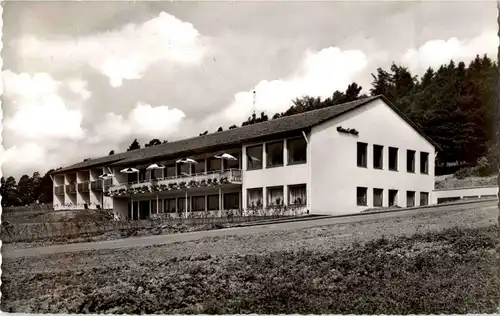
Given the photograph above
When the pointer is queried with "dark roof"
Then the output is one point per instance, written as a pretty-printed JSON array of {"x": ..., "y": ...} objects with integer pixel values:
[{"x": 235, "y": 136}]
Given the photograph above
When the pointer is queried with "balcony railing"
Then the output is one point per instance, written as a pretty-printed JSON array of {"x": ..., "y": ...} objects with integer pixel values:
[
  {"x": 182, "y": 182},
  {"x": 59, "y": 190},
  {"x": 71, "y": 188},
  {"x": 83, "y": 187}
]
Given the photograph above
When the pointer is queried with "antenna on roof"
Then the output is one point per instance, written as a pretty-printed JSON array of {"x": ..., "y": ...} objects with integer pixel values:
[{"x": 253, "y": 105}]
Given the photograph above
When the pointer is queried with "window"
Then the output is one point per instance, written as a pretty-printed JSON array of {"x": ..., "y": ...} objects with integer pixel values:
[
  {"x": 169, "y": 171},
  {"x": 378, "y": 158},
  {"x": 410, "y": 160},
  {"x": 214, "y": 164},
  {"x": 424, "y": 198},
  {"x": 142, "y": 175},
  {"x": 213, "y": 202},
  {"x": 198, "y": 203},
  {"x": 233, "y": 164},
  {"x": 153, "y": 207},
  {"x": 232, "y": 201},
  {"x": 361, "y": 196},
  {"x": 362, "y": 155},
  {"x": 181, "y": 204},
  {"x": 297, "y": 150},
  {"x": 254, "y": 157},
  {"x": 275, "y": 196},
  {"x": 200, "y": 166},
  {"x": 156, "y": 173},
  {"x": 169, "y": 205},
  {"x": 274, "y": 154},
  {"x": 297, "y": 194},
  {"x": 132, "y": 177},
  {"x": 184, "y": 169},
  {"x": 424, "y": 162},
  {"x": 393, "y": 159},
  {"x": 410, "y": 198},
  {"x": 393, "y": 197},
  {"x": 378, "y": 197},
  {"x": 254, "y": 198}
]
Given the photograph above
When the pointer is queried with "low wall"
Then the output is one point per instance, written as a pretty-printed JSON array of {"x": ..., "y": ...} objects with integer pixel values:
[
  {"x": 40, "y": 231},
  {"x": 447, "y": 195}
]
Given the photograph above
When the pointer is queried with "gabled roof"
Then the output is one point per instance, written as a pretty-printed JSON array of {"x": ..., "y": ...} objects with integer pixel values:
[{"x": 236, "y": 136}]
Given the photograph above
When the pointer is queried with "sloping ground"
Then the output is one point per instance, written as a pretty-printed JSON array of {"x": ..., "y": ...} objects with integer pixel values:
[
  {"x": 450, "y": 182},
  {"x": 448, "y": 266}
]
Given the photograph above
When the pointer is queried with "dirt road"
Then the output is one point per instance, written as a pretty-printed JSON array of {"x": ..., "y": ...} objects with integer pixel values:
[{"x": 169, "y": 239}]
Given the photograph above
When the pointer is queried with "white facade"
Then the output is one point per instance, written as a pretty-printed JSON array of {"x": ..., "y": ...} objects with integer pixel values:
[
  {"x": 327, "y": 181},
  {"x": 335, "y": 175}
]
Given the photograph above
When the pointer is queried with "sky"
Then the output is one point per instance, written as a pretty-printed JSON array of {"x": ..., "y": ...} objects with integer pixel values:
[{"x": 83, "y": 78}]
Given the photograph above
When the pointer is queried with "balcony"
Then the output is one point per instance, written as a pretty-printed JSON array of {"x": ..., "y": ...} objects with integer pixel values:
[
  {"x": 206, "y": 179},
  {"x": 96, "y": 185},
  {"x": 83, "y": 187},
  {"x": 71, "y": 188},
  {"x": 59, "y": 190}
]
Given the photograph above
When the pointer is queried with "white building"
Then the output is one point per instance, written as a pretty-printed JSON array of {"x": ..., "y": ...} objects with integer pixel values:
[{"x": 337, "y": 160}]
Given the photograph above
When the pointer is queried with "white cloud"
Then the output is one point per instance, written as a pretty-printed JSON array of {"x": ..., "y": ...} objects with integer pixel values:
[
  {"x": 320, "y": 74},
  {"x": 124, "y": 54},
  {"x": 437, "y": 52},
  {"x": 16, "y": 160},
  {"x": 40, "y": 121},
  {"x": 40, "y": 111},
  {"x": 144, "y": 120}
]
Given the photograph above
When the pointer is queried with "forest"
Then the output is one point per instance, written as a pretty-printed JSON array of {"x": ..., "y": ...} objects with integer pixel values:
[{"x": 454, "y": 105}]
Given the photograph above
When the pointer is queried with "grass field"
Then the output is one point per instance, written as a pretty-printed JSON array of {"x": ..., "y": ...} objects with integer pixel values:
[{"x": 428, "y": 263}]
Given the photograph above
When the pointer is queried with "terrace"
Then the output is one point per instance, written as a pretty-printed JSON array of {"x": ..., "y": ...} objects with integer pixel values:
[{"x": 179, "y": 182}]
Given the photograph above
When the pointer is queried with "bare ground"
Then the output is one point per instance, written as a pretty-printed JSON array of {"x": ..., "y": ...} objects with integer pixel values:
[{"x": 229, "y": 274}]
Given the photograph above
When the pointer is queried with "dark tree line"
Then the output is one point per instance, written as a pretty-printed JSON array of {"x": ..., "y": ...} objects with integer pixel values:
[{"x": 27, "y": 190}]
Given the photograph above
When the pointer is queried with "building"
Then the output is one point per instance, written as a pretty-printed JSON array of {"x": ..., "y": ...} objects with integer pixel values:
[{"x": 336, "y": 160}]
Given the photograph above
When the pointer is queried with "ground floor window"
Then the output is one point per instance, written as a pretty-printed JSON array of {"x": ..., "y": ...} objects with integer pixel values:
[
  {"x": 213, "y": 202},
  {"x": 297, "y": 194},
  {"x": 274, "y": 196},
  {"x": 232, "y": 201},
  {"x": 361, "y": 196},
  {"x": 169, "y": 205},
  {"x": 181, "y": 204},
  {"x": 393, "y": 197},
  {"x": 424, "y": 198},
  {"x": 410, "y": 198},
  {"x": 254, "y": 197},
  {"x": 378, "y": 197},
  {"x": 155, "y": 210},
  {"x": 198, "y": 203}
]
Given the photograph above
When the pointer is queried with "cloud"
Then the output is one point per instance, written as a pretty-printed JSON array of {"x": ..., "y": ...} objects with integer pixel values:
[
  {"x": 437, "y": 52},
  {"x": 28, "y": 156},
  {"x": 320, "y": 74},
  {"x": 39, "y": 110},
  {"x": 41, "y": 120},
  {"x": 126, "y": 53},
  {"x": 144, "y": 120}
]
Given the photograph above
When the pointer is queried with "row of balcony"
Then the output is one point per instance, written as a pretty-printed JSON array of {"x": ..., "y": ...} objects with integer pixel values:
[
  {"x": 83, "y": 187},
  {"x": 183, "y": 182}
]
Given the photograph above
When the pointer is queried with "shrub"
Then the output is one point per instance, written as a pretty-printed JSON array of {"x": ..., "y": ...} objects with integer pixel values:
[{"x": 464, "y": 173}]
